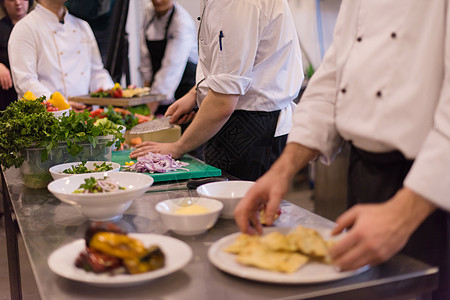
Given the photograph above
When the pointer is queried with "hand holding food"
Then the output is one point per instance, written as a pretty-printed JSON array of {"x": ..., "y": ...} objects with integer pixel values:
[{"x": 262, "y": 216}]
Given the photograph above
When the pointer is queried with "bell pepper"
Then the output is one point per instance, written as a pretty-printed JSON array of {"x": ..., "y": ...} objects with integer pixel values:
[
  {"x": 92, "y": 260},
  {"x": 59, "y": 101},
  {"x": 29, "y": 96},
  {"x": 118, "y": 245},
  {"x": 152, "y": 260}
]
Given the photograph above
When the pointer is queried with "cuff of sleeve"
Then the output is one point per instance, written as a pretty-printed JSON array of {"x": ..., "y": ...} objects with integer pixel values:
[
  {"x": 429, "y": 175},
  {"x": 306, "y": 132},
  {"x": 228, "y": 84}
]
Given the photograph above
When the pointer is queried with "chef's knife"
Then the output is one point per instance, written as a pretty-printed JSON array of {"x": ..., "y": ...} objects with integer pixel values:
[
  {"x": 152, "y": 126},
  {"x": 193, "y": 183}
]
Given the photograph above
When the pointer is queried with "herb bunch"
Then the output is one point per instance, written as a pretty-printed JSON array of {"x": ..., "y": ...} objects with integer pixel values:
[{"x": 27, "y": 123}]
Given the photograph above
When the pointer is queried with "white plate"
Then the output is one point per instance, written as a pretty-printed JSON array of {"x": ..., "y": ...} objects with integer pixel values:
[
  {"x": 312, "y": 272},
  {"x": 177, "y": 255}
]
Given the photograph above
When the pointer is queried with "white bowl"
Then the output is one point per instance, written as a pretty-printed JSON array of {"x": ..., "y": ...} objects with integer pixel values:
[
  {"x": 227, "y": 192},
  {"x": 60, "y": 113},
  {"x": 189, "y": 224},
  {"x": 57, "y": 170},
  {"x": 101, "y": 206}
]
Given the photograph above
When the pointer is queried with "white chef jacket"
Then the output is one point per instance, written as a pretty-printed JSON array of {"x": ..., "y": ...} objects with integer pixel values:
[
  {"x": 181, "y": 47},
  {"x": 250, "y": 48},
  {"x": 47, "y": 56},
  {"x": 383, "y": 86}
]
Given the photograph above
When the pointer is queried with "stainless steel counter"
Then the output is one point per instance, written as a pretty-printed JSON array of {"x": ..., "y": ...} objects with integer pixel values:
[{"x": 45, "y": 224}]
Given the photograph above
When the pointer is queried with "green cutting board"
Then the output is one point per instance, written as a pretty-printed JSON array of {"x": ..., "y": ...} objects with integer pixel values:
[{"x": 197, "y": 169}]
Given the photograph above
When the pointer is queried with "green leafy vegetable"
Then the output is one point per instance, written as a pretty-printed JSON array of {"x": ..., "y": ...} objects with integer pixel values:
[
  {"x": 81, "y": 168},
  {"x": 27, "y": 123},
  {"x": 92, "y": 185},
  {"x": 129, "y": 121}
]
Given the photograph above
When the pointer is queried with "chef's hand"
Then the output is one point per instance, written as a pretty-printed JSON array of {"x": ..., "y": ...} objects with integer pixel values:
[
  {"x": 5, "y": 77},
  {"x": 378, "y": 231},
  {"x": 76, "y": 106},
  {"x": 271, "y": 188},
  {"x": 162, "y": 148},
  {"x": 268, "y": 189},
  {"x": 181, "y": 111}
]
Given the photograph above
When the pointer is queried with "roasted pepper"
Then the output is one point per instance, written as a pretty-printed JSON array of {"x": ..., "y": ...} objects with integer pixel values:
[
  {"x": 152, "y": 260},
  {"x": 118, "y": 245}
]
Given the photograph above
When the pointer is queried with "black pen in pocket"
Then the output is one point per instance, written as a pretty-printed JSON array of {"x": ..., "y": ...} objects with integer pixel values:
[{"x": 220, "y": 39}]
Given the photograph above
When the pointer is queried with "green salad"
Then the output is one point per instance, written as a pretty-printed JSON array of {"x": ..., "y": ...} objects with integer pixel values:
[
  {"x": 81, "y": 168},
  {"x": 92, "y": 185}
]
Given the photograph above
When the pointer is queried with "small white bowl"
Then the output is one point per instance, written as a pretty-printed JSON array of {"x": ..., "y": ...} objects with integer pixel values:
[
  {"x": 60, "y": 113},
  {"x": 189, "y": 224},
  {"x": 227, "y": 192},
  {"x": 57, "y": 170},
  {"x": 101, "y": 206}
]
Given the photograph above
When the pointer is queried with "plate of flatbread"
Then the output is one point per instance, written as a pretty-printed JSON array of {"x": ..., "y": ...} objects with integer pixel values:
[{"x": 281, "y": 255}]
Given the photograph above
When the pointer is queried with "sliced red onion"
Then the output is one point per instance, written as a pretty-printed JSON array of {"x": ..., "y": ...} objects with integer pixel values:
[{"x": 157, "y": 163}]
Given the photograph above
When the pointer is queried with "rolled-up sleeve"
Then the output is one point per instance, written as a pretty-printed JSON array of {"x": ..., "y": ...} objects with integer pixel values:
[{"x": 229, "y": 84}]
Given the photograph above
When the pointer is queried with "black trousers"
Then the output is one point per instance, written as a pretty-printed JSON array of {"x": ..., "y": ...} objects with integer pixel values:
[
  {"x": 245, "y": 147},
  {"x": 376, "y": 177}
]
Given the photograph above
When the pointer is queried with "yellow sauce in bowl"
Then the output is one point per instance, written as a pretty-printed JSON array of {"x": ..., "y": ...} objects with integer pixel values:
[{"x": 193, "y": 209}]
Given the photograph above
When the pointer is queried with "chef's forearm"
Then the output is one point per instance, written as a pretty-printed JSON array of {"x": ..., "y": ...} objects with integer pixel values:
[
  {"x": 213, "y": 113},
  {"x": 294, "y": 157}
]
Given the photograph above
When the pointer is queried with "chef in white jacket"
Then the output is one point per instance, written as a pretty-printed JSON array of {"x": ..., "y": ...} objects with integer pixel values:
[
  {"x": 249, "y": 73},
  {"x": 384, "y": 88},
  {"x": 168, "y": 51},
  {"x": 51, "y": 50}
]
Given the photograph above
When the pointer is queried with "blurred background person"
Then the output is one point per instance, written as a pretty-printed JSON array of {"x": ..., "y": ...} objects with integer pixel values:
[
  {"x": 14, "y": 11},
  {"x": 168, "y": 51},
  {"x": 51, "y": 50}
]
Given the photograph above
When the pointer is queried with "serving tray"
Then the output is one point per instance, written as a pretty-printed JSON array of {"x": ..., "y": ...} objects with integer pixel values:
[{"x": 123, "y": 102}]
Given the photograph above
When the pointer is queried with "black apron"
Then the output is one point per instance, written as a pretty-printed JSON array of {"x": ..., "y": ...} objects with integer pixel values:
[
  {"x": 245, "y": 146},
  {"x": 376, "y": 177},
  {"x": 6, "y": 96},
  {"x": 157, "y": 50}
]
